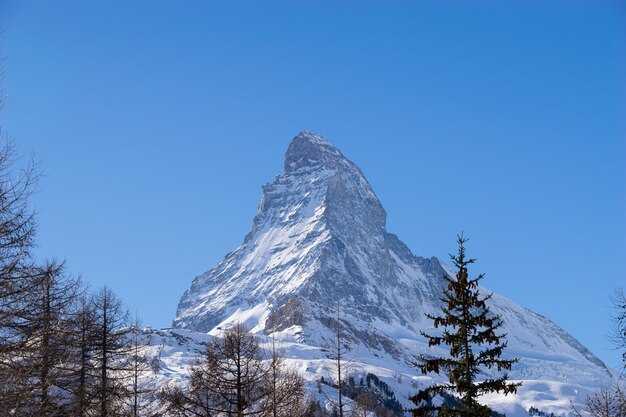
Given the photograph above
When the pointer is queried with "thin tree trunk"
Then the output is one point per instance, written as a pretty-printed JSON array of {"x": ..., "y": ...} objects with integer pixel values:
[
  {"x": 239, "y": 381},
  {"x": 82, "y": 372},
  {"x": 45, "y": 351},
  {"x": 135, "y": 377},
  {"x": 104, "y": 379},
  {"x": 274, "y": 377}
]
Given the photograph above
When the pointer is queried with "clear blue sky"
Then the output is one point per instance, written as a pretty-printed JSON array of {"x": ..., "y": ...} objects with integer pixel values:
[{"x": 156, "y": 123}]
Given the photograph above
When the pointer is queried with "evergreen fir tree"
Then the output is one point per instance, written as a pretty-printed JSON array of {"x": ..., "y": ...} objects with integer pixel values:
[{"x": 471, "y": 331}]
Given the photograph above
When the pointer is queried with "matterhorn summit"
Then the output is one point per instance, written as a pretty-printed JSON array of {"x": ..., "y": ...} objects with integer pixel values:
[
  {"x": 319, "y": 256},
  {"x": 318, "y": 243}
]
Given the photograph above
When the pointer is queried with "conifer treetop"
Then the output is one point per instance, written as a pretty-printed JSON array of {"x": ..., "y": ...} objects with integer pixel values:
[{"x": 472, "y": 333}]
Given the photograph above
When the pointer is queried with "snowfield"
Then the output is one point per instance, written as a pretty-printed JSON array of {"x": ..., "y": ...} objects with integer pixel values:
[{"x": 177, "y": 350}]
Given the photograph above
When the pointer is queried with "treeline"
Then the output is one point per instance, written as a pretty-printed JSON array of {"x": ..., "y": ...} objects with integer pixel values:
[
  {"x": 370, "y": 396},
  {"x": 63, "y": 351}
]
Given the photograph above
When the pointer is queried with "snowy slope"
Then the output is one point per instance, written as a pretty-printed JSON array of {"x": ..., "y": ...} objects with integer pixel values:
[
  {"x": 319, "y": 241},
  {"x": 178, "y": 349}
]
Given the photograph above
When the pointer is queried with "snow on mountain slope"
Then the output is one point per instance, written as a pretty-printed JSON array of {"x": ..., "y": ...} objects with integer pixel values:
[
  {"x": 178, "y": 349},
  {"x": 319, "y": 241}
]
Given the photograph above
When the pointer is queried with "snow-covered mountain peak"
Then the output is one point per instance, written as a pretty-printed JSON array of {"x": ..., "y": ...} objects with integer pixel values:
[
  {"x": 309, "y": 150},
  {"x": 319, "y": 185},
  {"x": 319, "y": 257},
  {"x": 322, "y": 207}
]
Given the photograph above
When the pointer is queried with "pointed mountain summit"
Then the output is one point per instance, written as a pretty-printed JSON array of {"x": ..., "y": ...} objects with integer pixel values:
[
  {"x": 319, "y": 244},
  {"x": 308, "y": 150},
  {"x": 318, "y": 237}
]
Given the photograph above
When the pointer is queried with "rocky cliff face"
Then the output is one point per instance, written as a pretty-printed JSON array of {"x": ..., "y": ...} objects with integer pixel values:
[{"x": 319, "y": 255}]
